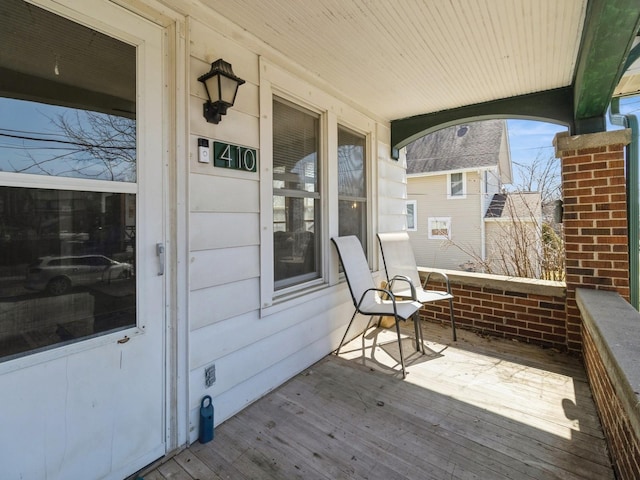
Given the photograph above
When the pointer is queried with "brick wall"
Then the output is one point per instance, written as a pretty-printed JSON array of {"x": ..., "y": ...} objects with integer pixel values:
[
  {"x": 624, "y": 445},
  {"x": 527, "y": 310},
  {"x": 596, "y": 243},
  {"x": 595, "y": 218}
]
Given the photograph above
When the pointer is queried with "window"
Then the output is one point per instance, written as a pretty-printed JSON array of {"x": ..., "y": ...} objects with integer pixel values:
[
  {"x": 296, "y": 194},
  {"x": 52, "y": 127},
  {"x": 456, "y": 185},
  {"x": 439, "y": 228},
  {"x": 352, "y": 190},
  {"x": 412, "y": 216},
  {"x": 316, "y": 174}
]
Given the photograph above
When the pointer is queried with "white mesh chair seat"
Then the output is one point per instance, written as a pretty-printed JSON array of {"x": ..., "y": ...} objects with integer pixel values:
[
  {"x": 403, "y": 277},
  {"x": 367, "y": 299}
]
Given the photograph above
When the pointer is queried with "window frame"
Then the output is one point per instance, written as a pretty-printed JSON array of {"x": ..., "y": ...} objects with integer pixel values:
[
  {"x": 413, "y": 214},
  {"x": 305, "y": 278},
  {"x": 431, "y": 221},
  {"x": 450, "y": 195},
  {"x": 275, "y": 81},
  {"x": 367, "y": 194}
]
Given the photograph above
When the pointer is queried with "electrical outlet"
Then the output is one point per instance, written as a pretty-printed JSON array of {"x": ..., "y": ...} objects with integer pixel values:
[{"x": 210, "y": 375}]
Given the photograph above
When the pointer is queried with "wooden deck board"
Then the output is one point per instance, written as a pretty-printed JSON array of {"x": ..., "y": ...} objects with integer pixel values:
[{"x": 478, "y": 408}]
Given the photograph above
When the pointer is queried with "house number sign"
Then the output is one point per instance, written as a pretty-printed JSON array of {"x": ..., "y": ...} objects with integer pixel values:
[{"x": 235, "y": 157}]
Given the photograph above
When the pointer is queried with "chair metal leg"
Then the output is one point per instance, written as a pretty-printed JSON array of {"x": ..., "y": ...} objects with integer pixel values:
[
  {"x": 418, "y": 322},
  {"x": 347, "y": 331},
  {"x": 417, "y": 333},
  {"x": 453, "y": 319},
  {"x": 404, "y": 372}
]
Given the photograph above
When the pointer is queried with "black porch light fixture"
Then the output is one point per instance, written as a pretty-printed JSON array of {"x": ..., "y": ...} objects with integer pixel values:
[{"x": 221, "y": 85}]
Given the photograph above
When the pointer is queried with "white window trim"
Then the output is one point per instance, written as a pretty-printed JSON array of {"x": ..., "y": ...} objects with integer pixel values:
[
  {"x": 274, "y": 81},
  {"x": 432, "y": 220},
  {"x": 415, "y": 215},
  {"x": 464, "y": 186}
]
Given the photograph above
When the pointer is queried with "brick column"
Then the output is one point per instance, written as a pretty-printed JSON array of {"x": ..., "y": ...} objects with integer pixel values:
[{"x": 595, "y": 217}]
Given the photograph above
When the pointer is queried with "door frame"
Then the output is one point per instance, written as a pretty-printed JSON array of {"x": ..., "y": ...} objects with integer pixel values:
[{"x": 176, "y": 186}]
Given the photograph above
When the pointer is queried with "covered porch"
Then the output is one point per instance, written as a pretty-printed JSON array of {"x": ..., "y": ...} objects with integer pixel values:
[
  {"x": 531, "y": 390},
  {"x": 478, "y": 408}
]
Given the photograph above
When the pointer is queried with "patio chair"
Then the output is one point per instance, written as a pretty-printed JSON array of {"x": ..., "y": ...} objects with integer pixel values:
[
  {"x": 400, "y": 263},
  {"x": 367, "y": 299}
]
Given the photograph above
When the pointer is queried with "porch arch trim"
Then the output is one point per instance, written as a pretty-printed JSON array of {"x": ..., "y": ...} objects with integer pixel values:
[{"x": 555, "y": 106}]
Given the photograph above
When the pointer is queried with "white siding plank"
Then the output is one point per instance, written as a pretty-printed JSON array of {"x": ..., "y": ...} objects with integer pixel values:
[
  {"x": 223, "y": 194},
  {"x": 217, "y": 267},
  {"x": 392, "y": 223},
  {"x": 215, "y": 304},
  {"x": 233, "y": 401},
  {"x": 388, "y": 189},
  {"x": 325, "y": 329},
  {"x": 392, "y": 171},
  {"x": 207, "y": 45},
  {"x": 393, "y": 206},
  {"x": 235, "y": 127},
  {"x": 221, "y": 339},
  {"x": 222, "y": 230}
]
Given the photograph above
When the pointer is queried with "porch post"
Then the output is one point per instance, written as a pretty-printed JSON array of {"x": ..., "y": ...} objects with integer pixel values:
[{"x": 595, "y": 217}]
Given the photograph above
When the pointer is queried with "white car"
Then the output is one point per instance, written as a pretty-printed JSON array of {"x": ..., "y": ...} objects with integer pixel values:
[{"x": 58, "y": 275}]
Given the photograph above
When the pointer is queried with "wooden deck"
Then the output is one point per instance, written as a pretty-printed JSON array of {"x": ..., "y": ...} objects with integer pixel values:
[{"x": 475, "y": 409}]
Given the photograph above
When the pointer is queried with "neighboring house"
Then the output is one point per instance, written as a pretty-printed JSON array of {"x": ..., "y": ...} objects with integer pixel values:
[
  {"x": 452, "y": 175},
  {"x": 513, "y": 224}
]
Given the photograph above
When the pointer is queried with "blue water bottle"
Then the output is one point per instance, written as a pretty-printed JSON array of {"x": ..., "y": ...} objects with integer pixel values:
[{"x": 206, "y": 420}]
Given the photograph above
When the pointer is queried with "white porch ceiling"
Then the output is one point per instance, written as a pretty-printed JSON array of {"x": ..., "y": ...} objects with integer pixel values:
[{"x": 406, "y": 57}]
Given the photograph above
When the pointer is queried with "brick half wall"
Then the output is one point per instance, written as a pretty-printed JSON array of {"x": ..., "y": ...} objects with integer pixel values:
[
  {"x": 527, "y": 310},
  {"x": 611, "y": 353}
]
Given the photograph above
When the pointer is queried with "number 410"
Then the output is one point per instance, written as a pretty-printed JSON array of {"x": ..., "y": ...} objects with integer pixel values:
[{"x": 238, "y": 158}]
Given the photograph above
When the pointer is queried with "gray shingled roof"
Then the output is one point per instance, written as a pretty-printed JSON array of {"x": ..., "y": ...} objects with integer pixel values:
[{"x": 474, "y": 145}]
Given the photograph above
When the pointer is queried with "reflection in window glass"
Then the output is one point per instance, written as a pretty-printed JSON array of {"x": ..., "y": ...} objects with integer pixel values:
[
  {"x": 456, "y": 185},
  {"x": 412, "y": 215},
  {"x": 67, "y": 109},
  {"x": 68, "y": 101},
  {"x": 352, "y": 190},
  {"x": 296, "y": 194},
  {"x": 67, "y": 266},
  {"x": 66, "y": 142}
]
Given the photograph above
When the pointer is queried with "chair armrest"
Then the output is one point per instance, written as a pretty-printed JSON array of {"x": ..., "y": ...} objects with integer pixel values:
[
  {"x": 404, "y": 278},
  {"x": 441, "y": 274},
  {"x": 382, "y": 290}
]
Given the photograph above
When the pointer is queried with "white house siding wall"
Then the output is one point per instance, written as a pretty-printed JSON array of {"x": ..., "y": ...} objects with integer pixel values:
[
  {"x": 430, "y": 193},
  {"x": 392, "y": 189},
  {"x": 254, "y": 350},
  {"x": 502, "y": 248}
]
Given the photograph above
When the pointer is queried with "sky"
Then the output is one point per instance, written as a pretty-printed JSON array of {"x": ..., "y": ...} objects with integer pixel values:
[{"x": 529, "y": 139}]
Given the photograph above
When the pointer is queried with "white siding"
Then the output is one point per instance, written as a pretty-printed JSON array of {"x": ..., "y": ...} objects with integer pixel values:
[
  {"x": 430, "y": 194},
  {"x": 253, "y": 349},
  {"x": 392, "y": 193}
]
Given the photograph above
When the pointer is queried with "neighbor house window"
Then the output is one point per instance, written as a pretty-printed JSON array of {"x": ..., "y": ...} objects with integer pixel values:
[
  {"x": 296, "y": 194},
  {"x": 412, "y": 216},
  {"x": 456, "y": 185},
  {"x": 439, "y": 228},
  {"x": 352, "y": 185}
]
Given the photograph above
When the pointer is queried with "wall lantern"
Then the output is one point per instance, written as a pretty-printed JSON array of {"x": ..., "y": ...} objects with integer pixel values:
[{"x": 221, "y": 85}]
